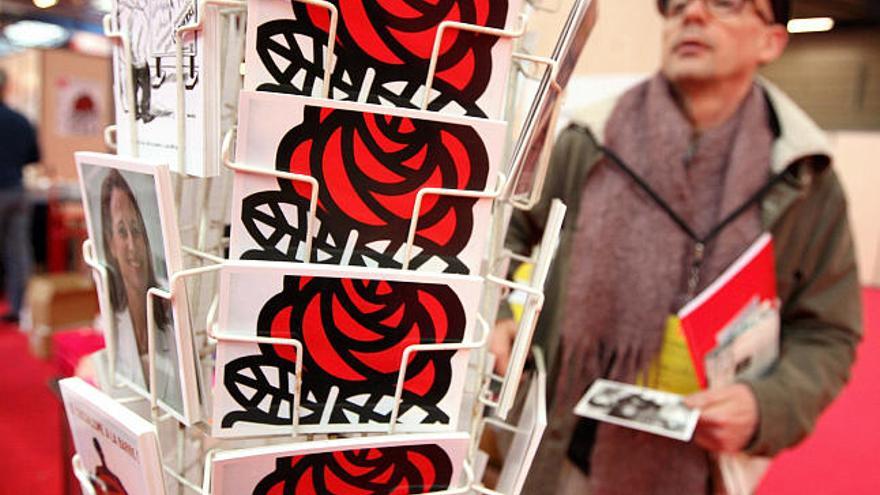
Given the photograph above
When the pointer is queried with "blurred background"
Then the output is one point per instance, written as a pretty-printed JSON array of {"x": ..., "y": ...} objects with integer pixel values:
[{"x": 60, "y": 77}]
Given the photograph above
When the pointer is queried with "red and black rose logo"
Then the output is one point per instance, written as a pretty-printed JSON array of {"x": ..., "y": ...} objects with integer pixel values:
[
  {"x": 354, "y": 333},
  {"x": 391, "y": 38},
  {"x": 371, "y": 167},
  {"x": 387, "y": 471}
]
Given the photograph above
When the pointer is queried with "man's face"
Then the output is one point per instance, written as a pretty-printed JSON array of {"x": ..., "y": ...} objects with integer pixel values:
[{"x": 699, "y": 47}]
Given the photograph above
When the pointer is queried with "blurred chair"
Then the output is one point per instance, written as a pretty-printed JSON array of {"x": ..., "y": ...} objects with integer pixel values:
[{"x": 65, "y": 233}]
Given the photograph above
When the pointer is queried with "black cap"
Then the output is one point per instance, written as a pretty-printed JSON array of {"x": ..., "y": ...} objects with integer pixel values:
[{"x": 781, "y": 10}]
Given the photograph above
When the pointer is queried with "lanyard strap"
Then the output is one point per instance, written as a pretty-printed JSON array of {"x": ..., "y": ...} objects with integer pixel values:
[{"x": 699, "y": 242}]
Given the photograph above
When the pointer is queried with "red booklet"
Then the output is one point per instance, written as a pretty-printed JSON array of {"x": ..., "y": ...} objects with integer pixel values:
[{"x": 751, "y": 278}]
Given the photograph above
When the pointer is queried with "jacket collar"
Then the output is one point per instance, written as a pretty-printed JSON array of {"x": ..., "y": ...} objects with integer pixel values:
[{"x": 798, "y": 137}]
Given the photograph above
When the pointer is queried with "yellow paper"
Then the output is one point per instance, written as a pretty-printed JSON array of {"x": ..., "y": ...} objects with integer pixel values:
[
  {"x": 523, "y": 274},
  {"x": 673, "y": 371}
]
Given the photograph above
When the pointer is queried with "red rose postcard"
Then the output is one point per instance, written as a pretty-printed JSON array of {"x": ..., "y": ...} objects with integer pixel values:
[
  {"x": 392, "y": 465},
  {"x": 118, "y": 449},
  {"x": 370, "y": 164},
  {"x": 354, "y": 327},
  {"x": 382, "y": 52}
]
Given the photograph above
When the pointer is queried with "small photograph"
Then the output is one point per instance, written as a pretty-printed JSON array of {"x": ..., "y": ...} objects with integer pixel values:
[
  {"x": 126, "y": 213},
  {"x": 639, "y": 408}
]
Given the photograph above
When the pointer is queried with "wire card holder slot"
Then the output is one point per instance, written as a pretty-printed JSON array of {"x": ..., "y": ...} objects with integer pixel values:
[
  {"x": 532, "y": 310},
  {"x": 527, "y": 436},
  {"x": 461, "y": 26},
  {"x": 297, "y": 430},
  {"x": 197, "y": 10},
  {"x": 176, "y": 284},
  {"x": 112, "y": 31}
]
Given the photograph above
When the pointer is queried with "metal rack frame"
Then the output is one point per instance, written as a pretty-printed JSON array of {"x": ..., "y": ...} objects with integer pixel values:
[
  {"x": 503, "y": 197},
  {"x": 111, "y": 30},
  {"x": 540, "y": 374}
]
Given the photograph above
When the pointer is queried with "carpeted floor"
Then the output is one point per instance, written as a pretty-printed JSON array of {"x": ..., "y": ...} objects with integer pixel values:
[
  {"x": 29, "y": 420},
  {"x": 839, "y": 458},
  {"x": 841, "y": 455}
]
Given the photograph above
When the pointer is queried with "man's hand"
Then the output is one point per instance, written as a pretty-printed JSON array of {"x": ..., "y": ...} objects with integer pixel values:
[
  {"x": 728, "y": 418},
  {"x": 500, "y": 342}
]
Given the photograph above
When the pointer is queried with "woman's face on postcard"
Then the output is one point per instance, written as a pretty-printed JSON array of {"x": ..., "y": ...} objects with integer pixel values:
[{"x": 128, "y": 242}]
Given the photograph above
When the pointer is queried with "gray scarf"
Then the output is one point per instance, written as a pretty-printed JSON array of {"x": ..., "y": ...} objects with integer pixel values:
[{"x": 631, "y": 262}]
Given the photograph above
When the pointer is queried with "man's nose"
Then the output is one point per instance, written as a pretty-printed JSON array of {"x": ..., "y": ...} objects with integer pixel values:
[{"x": 695, "y": 11}]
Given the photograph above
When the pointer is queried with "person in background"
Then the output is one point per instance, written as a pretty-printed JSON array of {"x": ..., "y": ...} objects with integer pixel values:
[
  {"x": 647, "y": 176},
  {"x": 18, "y": 147}
]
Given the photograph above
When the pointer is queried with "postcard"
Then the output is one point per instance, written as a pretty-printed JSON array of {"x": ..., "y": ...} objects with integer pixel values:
[
  {"x": 354, "y": 327},
  {"x": 394, "y": 464},
  {"x": 639, "y": 408},
  {"x": 382, "y": 53},
  {"x": 118, "y": 449},
  {"x": 371, "y": 165},
  {"x": 132, "y": 223},
  {"x": 145, "y": 82}
]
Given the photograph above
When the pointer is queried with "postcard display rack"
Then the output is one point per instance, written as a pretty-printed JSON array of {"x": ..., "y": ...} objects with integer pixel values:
[{"x": 331, "y": 231}]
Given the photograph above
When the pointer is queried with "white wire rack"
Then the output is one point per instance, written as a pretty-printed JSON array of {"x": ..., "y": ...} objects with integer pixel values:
[
  {"x": 461, "y": 26},
  {"x": 200, "y": 9},
  {"x": 112, "y": 31},
  {"x": 539, "y": 417},
  {"x": 504, "y": 197},
  {"x": 532, "y": 309},
  {"x": 314, "y": 186},
  {"x": 161, "y": 412}
]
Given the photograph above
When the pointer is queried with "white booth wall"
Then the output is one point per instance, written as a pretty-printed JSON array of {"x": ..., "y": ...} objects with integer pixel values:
[{"x": 857, "y": 156}]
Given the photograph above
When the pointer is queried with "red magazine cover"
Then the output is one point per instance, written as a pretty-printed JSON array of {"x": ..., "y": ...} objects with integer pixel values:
[{"x": 751, "y": 277}]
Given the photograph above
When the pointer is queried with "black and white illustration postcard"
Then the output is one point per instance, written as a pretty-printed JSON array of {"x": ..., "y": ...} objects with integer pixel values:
[
  {"x": 150, "y": 64},
  {"x": 639, "y": 408}
]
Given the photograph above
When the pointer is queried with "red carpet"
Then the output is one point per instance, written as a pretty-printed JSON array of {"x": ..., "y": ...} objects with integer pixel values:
[
  {"x": 29, "y": 420},
  {"x": 841, "y": 455},
  {"x": 839, "y": 458}
]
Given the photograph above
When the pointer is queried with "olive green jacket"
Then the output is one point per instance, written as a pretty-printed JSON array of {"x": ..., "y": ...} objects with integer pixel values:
[{"x": 817, "y": 277}]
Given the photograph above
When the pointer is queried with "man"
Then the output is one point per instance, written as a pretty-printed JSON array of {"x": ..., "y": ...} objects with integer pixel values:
[
  {"x": 138, "y": 24},
  {"x": 18, "y": 147},
  {"x": 702, "y": 146}
]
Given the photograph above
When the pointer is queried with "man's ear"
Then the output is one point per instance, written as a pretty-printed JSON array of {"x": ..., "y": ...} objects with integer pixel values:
[{"x": 774, "y": 42}]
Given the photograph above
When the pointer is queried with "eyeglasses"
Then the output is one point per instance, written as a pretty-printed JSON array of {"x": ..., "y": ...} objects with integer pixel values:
[{"x": 718, "y": 8}]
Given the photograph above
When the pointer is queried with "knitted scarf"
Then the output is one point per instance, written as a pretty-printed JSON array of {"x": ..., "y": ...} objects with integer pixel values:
[{"x": 631, "y": 263}]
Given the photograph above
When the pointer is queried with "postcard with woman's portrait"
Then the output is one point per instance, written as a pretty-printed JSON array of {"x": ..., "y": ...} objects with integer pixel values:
[{"x": 135, "y": 241}]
